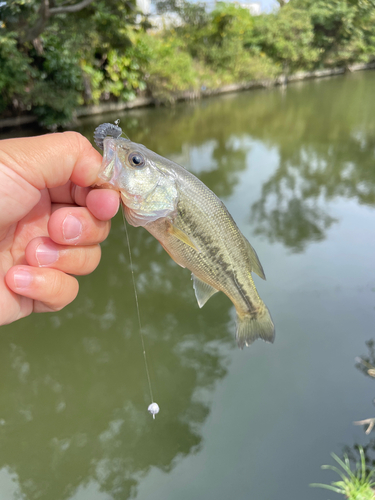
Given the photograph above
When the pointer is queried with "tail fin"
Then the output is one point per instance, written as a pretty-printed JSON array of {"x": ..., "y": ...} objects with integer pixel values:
[{"x": 256, "y": 326}]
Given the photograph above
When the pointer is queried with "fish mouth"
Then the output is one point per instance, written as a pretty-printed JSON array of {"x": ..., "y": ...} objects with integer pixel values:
[{"x": 111, "y": 166}]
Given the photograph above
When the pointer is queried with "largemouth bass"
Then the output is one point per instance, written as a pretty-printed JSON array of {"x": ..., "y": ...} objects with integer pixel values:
[{"x": 192, "y": 225}]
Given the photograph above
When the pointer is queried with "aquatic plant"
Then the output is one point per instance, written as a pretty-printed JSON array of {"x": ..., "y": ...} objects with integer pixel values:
[{"x": 357, "y": 485}]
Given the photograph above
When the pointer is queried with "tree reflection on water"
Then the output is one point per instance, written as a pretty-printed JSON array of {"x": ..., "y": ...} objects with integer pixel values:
[
  {"x": 74, "y": 395},
  {"x": 292, "y": 205}
]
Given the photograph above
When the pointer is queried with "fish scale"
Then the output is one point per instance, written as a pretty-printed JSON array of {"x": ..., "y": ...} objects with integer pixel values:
[
  {"x": 214, "y": 265},
  {"x": 193, "y": 226}
]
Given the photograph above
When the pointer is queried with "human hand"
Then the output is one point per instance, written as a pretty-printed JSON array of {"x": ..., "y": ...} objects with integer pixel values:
[{"x": 51, "y": 221}]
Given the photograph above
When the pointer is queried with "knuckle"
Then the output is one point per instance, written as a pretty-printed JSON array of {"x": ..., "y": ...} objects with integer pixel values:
[
  {"x": 77, "y": 141},
  {"x": 63, "y": 289},
  {"x": 89, "y": 259},
  {"x": 99, "y": 231},
  {"x": 57, "y": 288},
  {"x": 106, "y": 229}
]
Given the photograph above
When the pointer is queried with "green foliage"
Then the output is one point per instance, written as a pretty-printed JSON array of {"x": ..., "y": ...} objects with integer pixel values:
[
  {"x": 60, "y": 61},
  {"x": 344, "y": 30},
  {"x": 231, "y": 20},
  {"x": 220, "y": 45},
  {"x": 223, "y": 44},
  {"x": 93, "y": 81},
  {"x": 170, "y": 70},
  {"x": 287, "y": 38},
  {"x": 57, "y": 91},
  {"x": 356, "y": 485},
  {"x": 15, "y": 71},
  {"x": 53, "y": 61},
  {"x": 192, "y": 14},
  {"x": 17, "y": 15},
  {"x": 124, "y": 74}
]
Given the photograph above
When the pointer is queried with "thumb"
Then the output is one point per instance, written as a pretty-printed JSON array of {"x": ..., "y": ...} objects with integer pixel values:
[{"x": 31, "y": 164}]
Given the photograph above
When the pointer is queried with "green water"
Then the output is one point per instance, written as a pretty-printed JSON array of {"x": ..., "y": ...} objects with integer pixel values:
[{"x": 296, "y": 168}]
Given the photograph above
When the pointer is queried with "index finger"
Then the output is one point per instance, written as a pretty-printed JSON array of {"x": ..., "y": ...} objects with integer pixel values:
[{"x": 51, "y": 160}]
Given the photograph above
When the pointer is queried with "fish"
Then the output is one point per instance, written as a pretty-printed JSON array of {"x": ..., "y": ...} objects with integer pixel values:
[{"x": 192, "y": 225}]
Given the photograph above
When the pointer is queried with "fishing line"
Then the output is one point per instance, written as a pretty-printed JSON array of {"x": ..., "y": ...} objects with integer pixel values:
[
  {"x": 117, "y": 123},
  {"x": 115, "y": 131},
  {"x": 153, "y": 407}
]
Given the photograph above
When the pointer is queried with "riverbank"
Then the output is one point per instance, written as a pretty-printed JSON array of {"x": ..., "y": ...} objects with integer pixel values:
[{"x": 139, "y": 102}]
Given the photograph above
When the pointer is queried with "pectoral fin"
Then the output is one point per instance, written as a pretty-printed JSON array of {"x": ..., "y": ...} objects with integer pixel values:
[
  {"x": 175, "y": 231},
  {"x": 203, "y": 291},
  {"x": 256, "y": 266}
]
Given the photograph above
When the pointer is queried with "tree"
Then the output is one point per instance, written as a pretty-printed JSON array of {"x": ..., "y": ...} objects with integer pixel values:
[
  {"x": 54, "y": 42},
  {"x": 192, "y": 14},
  {"x": 287, "y": 37},
  {"x": 344, "y": 30},
  {"x": 34, "y": 15}
]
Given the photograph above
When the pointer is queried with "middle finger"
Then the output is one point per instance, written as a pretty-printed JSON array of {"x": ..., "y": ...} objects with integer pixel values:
[{"x": 77, "y": 226}]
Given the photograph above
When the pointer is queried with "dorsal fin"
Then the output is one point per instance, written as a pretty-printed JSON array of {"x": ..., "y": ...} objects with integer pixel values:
[{"x": 256, "y": 266}]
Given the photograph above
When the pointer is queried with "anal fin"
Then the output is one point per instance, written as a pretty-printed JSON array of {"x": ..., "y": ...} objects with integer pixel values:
[
  {"x": 203, "y": 291},
  {"x": 256, "y": 266}
]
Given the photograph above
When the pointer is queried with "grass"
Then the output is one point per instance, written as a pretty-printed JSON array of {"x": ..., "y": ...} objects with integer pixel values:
[{"x": 357, "y": 485}]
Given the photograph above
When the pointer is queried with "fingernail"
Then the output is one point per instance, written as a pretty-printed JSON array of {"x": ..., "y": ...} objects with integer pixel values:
[
  {"x": 72, "y": 228},
  {"x": 46, "y": 254},
  {"x": 22, "y": 278}
]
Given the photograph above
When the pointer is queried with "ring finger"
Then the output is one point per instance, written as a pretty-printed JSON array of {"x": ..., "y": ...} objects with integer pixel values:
[{"x": 78, "y": 260}]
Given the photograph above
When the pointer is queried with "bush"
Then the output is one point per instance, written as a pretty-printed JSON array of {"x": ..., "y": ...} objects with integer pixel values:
[
  {"x": 170, "y": 69},
  {"x": 343, "y": 30},
  {"x": 15, "y": 74},
  {"x": 124, "y": 70},
  {"x": 57, "y": 90},
  {"x": 287, "y": 38}
]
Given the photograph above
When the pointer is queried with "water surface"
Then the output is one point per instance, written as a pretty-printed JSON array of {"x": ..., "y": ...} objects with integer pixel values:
[{"x": 296, "y": 168}]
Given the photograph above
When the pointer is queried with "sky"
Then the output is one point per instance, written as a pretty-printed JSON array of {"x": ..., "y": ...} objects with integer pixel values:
[{"x": 267, "y": 5}]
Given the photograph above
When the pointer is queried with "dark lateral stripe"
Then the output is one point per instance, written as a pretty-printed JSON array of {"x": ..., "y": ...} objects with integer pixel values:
[
  {"x": 250, "y": 306},
  {"x": 216, "y": 265}
]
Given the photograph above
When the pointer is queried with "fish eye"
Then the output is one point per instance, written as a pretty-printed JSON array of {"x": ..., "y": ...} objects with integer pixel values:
[{"x": 136, "y": 160}]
